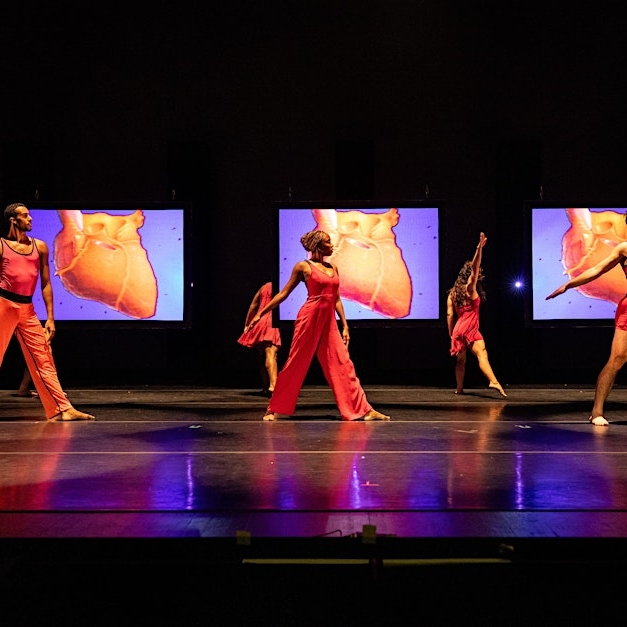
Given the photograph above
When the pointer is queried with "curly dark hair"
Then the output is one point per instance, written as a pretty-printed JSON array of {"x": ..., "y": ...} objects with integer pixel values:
[{"x": 458, "y": 291}]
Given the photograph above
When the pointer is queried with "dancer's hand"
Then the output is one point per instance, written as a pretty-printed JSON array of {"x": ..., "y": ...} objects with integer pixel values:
[
  {"x": 345, "y": 336},
  {"x": 49, "y": 330},
  {"x": 557, "y": 292},
  {"x": 252, "y": 323}
]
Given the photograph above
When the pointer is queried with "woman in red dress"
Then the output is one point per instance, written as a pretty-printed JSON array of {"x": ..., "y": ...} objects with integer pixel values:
[
  {"x": 263, "y": 337},
  {"x": 462, "y": 318},
  {"x": 316, "y": 332}
]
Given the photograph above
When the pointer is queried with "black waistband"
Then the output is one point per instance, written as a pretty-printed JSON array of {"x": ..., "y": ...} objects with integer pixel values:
[{"x": 16, "y": 298}]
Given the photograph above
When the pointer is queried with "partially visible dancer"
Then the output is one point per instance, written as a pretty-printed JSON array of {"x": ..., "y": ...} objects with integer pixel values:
[
  {"x": 618, "y": 350},
  {"x": 462, "y": 317},
  {"x": 316, "y": 332},
  {"x": 24, "y": 390},
  {"x": 263, "y": 337},
  {"x": 24, "y": 260}
]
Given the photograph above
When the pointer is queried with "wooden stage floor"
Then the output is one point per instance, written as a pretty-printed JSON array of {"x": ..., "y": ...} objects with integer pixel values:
[
  {"x": 476, "y": 478},
  {"x": 173, "y": 462}
]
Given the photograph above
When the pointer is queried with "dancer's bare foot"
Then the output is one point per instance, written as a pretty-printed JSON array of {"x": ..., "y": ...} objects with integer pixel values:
[
  {"x": 598, "y": 421},
  {"x": 497, "y": 386},
  {"x": 270, "y": 416},
  {"x": 72, "y": 414},
  {"x": 373, "y": 414},
  {"x": 26, "y": 394},
  {"x": 459, "y": 391}
]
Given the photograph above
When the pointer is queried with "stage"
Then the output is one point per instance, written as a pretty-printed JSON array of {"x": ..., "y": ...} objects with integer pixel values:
[{"x": 188, "y": 490}]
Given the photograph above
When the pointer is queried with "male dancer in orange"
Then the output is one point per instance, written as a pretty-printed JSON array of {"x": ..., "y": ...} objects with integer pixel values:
[{"x": 23, "y": 260}]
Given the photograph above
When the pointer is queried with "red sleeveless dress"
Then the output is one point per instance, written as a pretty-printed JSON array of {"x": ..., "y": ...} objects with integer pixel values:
[
  {"x": 263, "y": 331},
  {"x": 466, "y": 329}
]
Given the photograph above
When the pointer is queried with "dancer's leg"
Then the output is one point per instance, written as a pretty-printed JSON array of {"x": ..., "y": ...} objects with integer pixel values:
[
  {"x": 271, "y": 365},
  {"x": 607, "y": 376},
  {"x": 340, "y": 374},
  {"x": 460, "y": 371},
  {"x": 38, "y": 357},
  {"x": 479, "y": 349}
]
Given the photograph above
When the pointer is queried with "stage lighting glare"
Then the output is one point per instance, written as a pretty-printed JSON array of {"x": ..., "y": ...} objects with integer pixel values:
[{"x": 516, "y": 285}]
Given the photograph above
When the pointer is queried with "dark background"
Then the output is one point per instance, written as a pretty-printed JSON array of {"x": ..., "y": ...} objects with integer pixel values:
[{"x": 234, "y": 104}]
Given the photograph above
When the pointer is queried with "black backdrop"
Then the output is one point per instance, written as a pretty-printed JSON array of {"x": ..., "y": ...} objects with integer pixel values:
[{"x": 239, "y": 105}]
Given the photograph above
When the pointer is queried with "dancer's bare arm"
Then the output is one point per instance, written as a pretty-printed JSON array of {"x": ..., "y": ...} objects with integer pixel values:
[{"x": 619, "y": 253}]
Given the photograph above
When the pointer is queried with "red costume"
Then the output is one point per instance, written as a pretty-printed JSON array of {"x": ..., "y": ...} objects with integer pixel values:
[
  {"x": 620, "y": 317},
  {"x": 18, "y": 280},
  {"x": 466, "y": 329},
  {"x": 263, "y": 331},
  {"x": 316, "y": 332}
]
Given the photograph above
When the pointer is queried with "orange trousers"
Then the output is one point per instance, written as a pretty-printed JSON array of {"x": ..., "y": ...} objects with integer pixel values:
[
  {"x": 316, "y": 333},
  {"x": 21, "y": 320}
]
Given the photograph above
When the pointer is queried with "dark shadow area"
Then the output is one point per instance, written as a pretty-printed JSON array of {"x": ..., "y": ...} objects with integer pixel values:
[{"x": 311, "y": 582}]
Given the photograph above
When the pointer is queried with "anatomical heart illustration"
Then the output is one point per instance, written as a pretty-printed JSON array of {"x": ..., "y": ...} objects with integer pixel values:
[
  {"x": 100, "y": 257},
  {"x": 590, "y": 239},
  {"x": 371, "y": 266}
]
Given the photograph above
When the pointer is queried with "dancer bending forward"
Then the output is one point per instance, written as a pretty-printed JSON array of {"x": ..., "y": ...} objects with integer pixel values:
[{"x": 264, "y": 338}]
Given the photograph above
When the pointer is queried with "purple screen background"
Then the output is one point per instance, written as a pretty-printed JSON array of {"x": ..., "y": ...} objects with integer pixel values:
[
  {"x": 162, "y": 236},
  {"x": 548, "y": 226},
  {"x": 417, "y": 236}
]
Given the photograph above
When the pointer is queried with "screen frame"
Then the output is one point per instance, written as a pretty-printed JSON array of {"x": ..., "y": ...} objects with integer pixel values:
[
  {"x": 533, "y": 292},
  {"x": 382, "y": 205},
  {"x": 128, "y": 323}
]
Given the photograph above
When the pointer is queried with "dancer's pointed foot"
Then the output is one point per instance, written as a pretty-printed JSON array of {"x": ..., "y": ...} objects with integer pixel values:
[
  {"x": 373, "y": 414},
  {"x": 270, "y": 416},
  {"x": 72, "y": 414},
  {"x": 598, "y": 421},
  {"x": 497, "y": 386}
]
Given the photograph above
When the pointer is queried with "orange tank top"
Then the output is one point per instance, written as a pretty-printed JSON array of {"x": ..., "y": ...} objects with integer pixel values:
[{"x": 19, "y": 271}]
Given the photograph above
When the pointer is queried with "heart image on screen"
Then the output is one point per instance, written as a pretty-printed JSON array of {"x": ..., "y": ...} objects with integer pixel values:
[
  {"x": 371, "y": 266},
  {"x": 591, "y": 237},
  {"x": 100, "y": 257}
]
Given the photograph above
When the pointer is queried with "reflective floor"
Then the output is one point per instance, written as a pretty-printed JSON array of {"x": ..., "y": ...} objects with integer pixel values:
[
  {"x": 176, "y": 504},
  {"x": 201, "y": 463}
]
